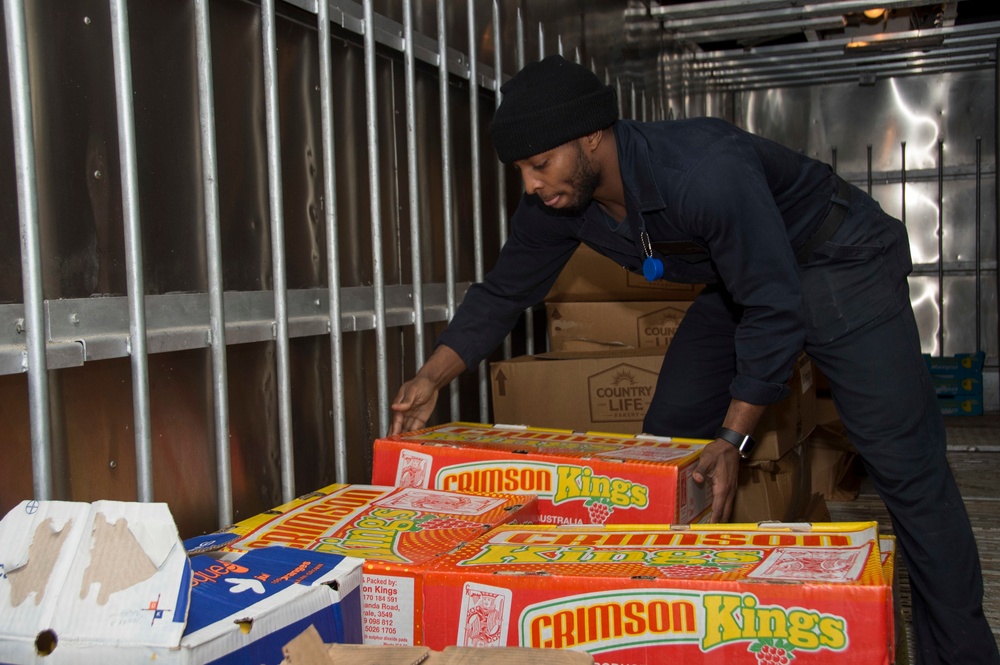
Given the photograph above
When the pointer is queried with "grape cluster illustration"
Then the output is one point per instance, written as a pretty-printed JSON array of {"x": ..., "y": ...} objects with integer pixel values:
[{"x": 772, "y": 652}]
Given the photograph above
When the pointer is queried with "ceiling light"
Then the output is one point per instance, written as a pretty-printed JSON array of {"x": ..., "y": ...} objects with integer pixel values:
[{"x": 874, "y": 13}]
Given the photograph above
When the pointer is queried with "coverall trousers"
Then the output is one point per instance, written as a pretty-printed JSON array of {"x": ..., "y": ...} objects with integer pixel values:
[{"x": 862, "y": 335}]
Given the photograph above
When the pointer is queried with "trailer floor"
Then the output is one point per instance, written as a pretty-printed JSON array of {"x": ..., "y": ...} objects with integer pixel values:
[{"x": 974, "y": 455}]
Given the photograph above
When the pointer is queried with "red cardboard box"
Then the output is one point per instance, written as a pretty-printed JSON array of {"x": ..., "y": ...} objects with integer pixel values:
[
  {"x": 395, "y": 530},
  {"x": 579, "y": 478},
  {"x": 645, "y": 595}
]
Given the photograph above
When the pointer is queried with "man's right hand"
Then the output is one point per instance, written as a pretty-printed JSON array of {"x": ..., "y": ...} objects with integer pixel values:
[
  {"x": 417, "y": 398},
  {"x": 413, "y": 405}
]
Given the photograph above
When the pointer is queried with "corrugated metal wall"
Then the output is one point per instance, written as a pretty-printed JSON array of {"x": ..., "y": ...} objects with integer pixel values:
[{"x": 195, "y": 186}]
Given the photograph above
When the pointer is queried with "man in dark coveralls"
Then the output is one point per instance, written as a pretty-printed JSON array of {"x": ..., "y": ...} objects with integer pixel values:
[{"x": 794, "y": 258}]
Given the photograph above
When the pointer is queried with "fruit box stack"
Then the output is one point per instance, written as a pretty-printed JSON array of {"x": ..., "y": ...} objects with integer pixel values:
[
  {"x": 640, "y": 595},
  {"x": 579, "y": 478},
  {"x": 395, "y": 530}
]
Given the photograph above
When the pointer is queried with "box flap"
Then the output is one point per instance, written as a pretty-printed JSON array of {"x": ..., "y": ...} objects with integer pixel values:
[{"x": 108, "y": 573}]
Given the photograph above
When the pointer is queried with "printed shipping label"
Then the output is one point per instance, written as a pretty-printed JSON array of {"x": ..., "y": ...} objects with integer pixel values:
[{"x": 387, "y": 609}]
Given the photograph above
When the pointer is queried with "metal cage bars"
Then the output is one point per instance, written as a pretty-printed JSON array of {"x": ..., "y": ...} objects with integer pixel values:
[{"x": 183, "y": 321}]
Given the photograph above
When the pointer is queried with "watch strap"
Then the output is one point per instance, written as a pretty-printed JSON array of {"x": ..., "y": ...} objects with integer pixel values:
[{"x": 744, "y": 443}]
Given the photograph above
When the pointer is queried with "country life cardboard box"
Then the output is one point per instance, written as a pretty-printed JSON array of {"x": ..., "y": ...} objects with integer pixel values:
[
  {"x": 597, "y": 326},
  {"x": 646, "y": 594},
  {"x": 591, "y": 276},
  {"x": 610, "y": 391},
  {"x": 396, "y": 530},
  {"x": 110, "y": 582},
  {"x": 579, "y": 478}
]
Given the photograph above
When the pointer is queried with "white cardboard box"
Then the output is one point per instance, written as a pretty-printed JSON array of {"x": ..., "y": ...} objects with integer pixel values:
[{"x": 111, "y": 582}]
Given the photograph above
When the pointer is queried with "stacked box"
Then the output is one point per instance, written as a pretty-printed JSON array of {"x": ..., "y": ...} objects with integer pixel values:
[
  {"x": 588, "y": 276},
  {"x": 578, "y": 477},
  {"x": 641, "y": 595},
  {"x": 396, "y": 530},
  {"x": 958, "y": 381},
  {"x": 610, "y": 391},
  {"x": 626, "y": 324}
]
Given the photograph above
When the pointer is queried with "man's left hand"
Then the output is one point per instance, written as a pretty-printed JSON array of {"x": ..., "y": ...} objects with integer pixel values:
[{"x": 719, "y": 468}]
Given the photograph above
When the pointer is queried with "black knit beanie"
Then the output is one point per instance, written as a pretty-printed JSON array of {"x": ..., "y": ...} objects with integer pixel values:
[{"x": 549, "y": 103}]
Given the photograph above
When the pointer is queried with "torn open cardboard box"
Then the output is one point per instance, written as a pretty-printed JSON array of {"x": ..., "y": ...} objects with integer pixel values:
[{"x": 110, "y": 582}]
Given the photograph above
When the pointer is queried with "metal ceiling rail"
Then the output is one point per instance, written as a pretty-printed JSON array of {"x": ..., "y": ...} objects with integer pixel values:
[
  {"x": 745, "y": 30},
  {"x": 830, "y": 64},
  {"x": 801, "y": 13},
  {"x": 808, "y": 79},
  {"x": 848, "y": 57},
  {"x": 990, "y": 29},
  {"x": 696, "y": 10},
  {"x": 961, "y": 48}
]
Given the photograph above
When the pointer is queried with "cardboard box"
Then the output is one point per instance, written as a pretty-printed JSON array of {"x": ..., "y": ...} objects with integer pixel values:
[
  {"x": 831, "y": 459},
  {"x": 579, "y": 478},
  {"x": 396, "y": 530},
  {"x": 589, "y": 276},
  {"x": 963, "y": 405},
  {"x": 958, "y": 365},
  {"x": 610, "y": 391},
  {"x": 597, "y": 326},
  {"x": 771, "y": 491},
  {"x": 110, "y": 582},
  {"x": 308, "y": 649},
  {"x": 604, "y": 391},
  {"x": 787, "y": 423},
  {"x": 644, "y": 594},
  {"x": 969, "y": 386}
]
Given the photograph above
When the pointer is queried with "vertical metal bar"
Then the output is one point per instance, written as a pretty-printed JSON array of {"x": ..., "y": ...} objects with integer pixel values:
[
  {"x": 332, "y": 244},
  {"x": 618, "y": 90},
  {"x": 833, "y": 158},
  {"x": 979, "y": 251},
  {"x": 501, "y": 171},
  {"x": 378, "y": 276},
  {"x": 477, "y": 185},
  {"x": 996, "y": 177},
  {"x": 133, "y": 249},
  {"x": 632, "y": 113},
  {"x": 446, "y": 175},
  {"x": 559, "y": 45},
  {"x": 940, "y": 244},
  {"x": 213, "y": 246},
  {"x": 902, "y": 181},
  {"x": 529, "y": 313},
  {"x": 413, "y": 184},
  {"x": 577, "y": 57},
  {"x": 278, "y": 250},
  {"x": 869, "y": 169},
  {"x": 31, "y": 252},
  {"x": 541, "y": 42}
]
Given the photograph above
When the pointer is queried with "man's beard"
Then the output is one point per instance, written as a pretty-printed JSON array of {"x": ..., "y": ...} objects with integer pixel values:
[{"x": 584, "y": 182}]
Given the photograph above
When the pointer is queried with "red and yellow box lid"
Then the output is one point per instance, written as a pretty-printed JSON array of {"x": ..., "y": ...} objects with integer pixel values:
[{"x": 390, "y": 524}]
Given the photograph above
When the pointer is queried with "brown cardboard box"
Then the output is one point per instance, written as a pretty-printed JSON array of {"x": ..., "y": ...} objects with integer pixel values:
[
  {"x": 596, "y": 326},
  {"x": 771, "y": 490},
  {"x": 831, "y": 458},
  {"x": 609, "y": 391},
  {"x": 308, "y": 649},
  {"x": 603, "y": 391},
  {"x": 790, "y": 421},
  {"x": 588, "y": 276}
]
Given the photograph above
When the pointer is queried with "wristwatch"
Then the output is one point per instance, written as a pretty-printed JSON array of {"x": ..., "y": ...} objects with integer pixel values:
[{"x": 744, "y": 442}]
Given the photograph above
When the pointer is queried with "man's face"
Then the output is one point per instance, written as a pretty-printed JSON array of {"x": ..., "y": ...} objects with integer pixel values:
[{"x": 563, "y": 178}]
